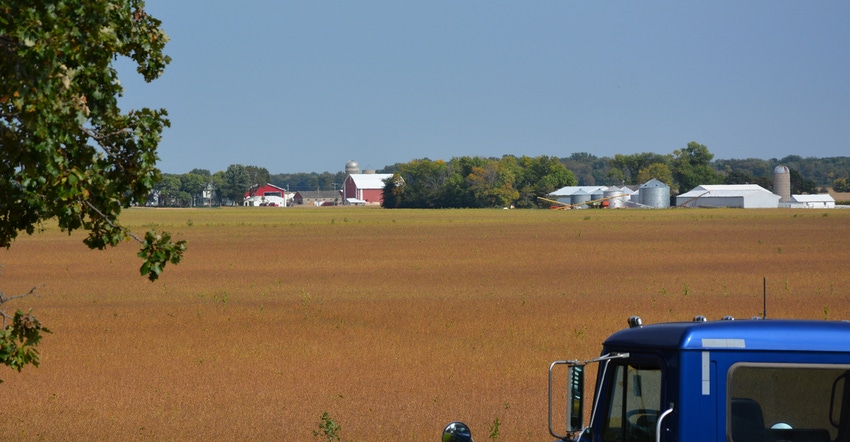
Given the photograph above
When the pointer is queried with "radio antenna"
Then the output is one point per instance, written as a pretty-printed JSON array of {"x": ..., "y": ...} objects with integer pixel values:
[{"x": 764, "y": 298}]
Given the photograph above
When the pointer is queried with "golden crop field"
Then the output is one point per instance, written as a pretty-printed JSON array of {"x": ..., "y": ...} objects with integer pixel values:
[{"x": 394, "y": 322}]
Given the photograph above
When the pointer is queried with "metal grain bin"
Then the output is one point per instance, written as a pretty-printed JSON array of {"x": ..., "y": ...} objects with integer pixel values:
[
  {"x": 579, "y": 197},
  {"x": 616, "y": 197},
  {"x": 655, "y": 194},
  {"x": 597, "y": 194}
]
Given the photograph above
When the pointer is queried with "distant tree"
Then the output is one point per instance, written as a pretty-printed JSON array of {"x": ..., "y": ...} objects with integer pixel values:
[
  {"x": 201, "y": 172},
  {"x": 738, "y": 177},
  {"x": 236, "y": 183},
  {"x": 631, "y": 165},
  {"x": 492, "y": 185},
  {"x": 392, "y": 192},
  {"x": 258, "y": 176},
  {"x": 658, "y": 171},
  {"x": 421, "y": 185},
  {"x": 193, "y": 185},
  {"x": 587, "y": 168},
  {"x": 456, "y": 190},
  {"x": 841, "y": 185},
  {"x": 800, "y": 185},
  {"x": 616, "y": 176},
  {"x": 217, "y": 183},
  {"x": 691, "y": 167},
  {"x": 169, "y": 191},
  {"x": 540, "y": 176},
  {"x": 68, "y": 152}
]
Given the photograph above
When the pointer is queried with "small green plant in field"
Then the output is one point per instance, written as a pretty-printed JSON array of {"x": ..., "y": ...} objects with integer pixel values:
[
  {"x": 494, "y": 429},
  {"x": 580, "y": 332},
  {"x": 328, "y": 428},
  {"x": 220, "y": 296},
  {"x": 826, "y": 313},
  {"x": 687, "y": 290},
  {"x": 190, "y": 223}
]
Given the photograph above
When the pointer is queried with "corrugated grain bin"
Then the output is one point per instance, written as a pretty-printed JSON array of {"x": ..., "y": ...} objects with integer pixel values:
[
  {"x": 655, "y": 194},
  {"x": 616, "y": 197},
  {"x": 597, "y": 194},
  {"x": 579, "y": 198}
]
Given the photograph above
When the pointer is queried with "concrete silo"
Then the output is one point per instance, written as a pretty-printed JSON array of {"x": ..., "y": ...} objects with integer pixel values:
[
  {"x": 782, "y": 183},
  {"x": 655, "y": 194}
]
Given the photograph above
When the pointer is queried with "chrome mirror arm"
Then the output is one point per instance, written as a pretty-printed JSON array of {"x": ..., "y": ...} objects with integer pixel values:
[{"x": 660, "y": 420}]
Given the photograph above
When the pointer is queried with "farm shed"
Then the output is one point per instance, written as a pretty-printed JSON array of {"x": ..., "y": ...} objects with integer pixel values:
[
  {"x": 317, "y": 197},
  {"x": 818, "y": 201},
  {"x": 565, "y": 194},
  {"x": 746, "y": 196},
  {"x": 365, "y": 187}
]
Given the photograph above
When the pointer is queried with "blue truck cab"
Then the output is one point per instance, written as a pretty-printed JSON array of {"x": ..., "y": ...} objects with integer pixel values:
[{"x": 729, "y": 380}]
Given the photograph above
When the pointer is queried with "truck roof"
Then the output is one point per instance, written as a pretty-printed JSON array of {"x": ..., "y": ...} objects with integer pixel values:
[{"x": 769, "y": 334}]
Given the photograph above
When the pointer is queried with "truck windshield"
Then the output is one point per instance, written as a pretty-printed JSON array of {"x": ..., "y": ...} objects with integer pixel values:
[
  {"x": 632, "y": 404},
  {"x": 787, "y": 402}
]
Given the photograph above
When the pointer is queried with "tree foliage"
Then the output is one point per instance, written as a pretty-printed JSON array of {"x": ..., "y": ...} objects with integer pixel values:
[
  {"x": 631, "y": 165},
  {"x": 658, "y": 171},
  {"x": 68, "y": 151},
  {"x": 237, "y": 181},
  {"x": 841, "y": 185},
  {"x": 19, "y": 339},
  {"x": 474, "y": 182},
  {"x": 692, "y": 167}
]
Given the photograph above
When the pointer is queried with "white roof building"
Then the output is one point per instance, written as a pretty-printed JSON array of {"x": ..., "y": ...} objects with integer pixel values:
[
  {"x": 817, "y": 201},
  {"x": 364, "y": 188},
  {"x": 569, "y": 190},
  {"x": 746, "y": 196}
]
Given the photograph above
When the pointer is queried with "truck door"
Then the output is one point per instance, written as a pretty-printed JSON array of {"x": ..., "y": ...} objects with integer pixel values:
[{"x": 632, "y": 402}]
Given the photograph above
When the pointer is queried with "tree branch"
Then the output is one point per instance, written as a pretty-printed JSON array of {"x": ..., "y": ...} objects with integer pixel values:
[
  {"x": 4, "y": 299},
  {"x": 108, "y": 221}
]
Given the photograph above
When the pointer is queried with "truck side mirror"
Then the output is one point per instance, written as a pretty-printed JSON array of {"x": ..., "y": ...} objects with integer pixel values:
[{"x": 575, "y": 398}]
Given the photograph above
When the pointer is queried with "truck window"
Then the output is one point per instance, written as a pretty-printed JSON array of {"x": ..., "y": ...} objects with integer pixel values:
[
  {"x": 633, "y": 404},
  {"x": 787, "y": 402}
]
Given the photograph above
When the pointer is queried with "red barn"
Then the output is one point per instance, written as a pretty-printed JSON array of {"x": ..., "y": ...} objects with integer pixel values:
[
  {"x": 268, "y": 193},
  {"x": 364, "y": 188}
]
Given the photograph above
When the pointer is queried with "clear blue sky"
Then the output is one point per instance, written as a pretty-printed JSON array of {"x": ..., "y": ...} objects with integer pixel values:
[{"x": 305, "y": 86}]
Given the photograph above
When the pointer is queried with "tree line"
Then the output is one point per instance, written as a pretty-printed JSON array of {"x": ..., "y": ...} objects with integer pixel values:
[{"x": 510, "y": 180}]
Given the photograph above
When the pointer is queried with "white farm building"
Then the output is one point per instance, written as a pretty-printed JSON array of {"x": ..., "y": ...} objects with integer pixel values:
[
  {"x": 746, "y": 196},
  {"x": 818, "y": 201}
]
